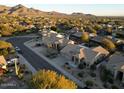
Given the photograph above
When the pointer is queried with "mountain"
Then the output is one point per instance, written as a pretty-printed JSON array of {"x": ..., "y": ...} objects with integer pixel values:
[
  {"x": 24, "y": 11},
  {"x": 77, "y": 14},
  {"x": 3, "y": 8},
  {"x": 21, "y": 10}
]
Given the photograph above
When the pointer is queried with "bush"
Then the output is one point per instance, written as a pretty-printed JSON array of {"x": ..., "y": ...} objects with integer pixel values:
[
  {"x": 4, "y": 52},
  {"x": 105, "y": 85},
  {"x": 108, "y": 44},
  {"x": 46, "y": 79},
  {"x": 110, "y": 80},
  {"x": 106, "y": 75},
  {"x": 21, "y": 76},
  {"x": 114, "y": 87},
  {"x": 89, "y": 83},
  {"x": 93, "y": 67},
  {"x": 81, "y": 74},
  {"x": 81, "y": 66},
  {"x": 93, "y": 74},
  {"x": 53, "y": 28},
  {"x": 85, "y": 37},
  {"x": 12, "y": 51},
  {"x": 23, "y": 66}
]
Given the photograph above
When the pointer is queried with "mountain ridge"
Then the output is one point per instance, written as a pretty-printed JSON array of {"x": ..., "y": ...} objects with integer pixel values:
[{"x": 21, "y": 10}]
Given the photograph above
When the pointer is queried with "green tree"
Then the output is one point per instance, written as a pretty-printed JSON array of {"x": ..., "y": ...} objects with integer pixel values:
[
  {"x": 97, "y": 27},
  {"x": 4, "y": 48},
  {"x": 4, "y": 45},
  {"x": 109, "y": 29},
  {"x": 5, "y": 30},
  {"x": 85, "y": 37},
  {"x": 46, "y": 79},
  {"x": 89, "y": 83},
  {"x": 108, "y": 44}
]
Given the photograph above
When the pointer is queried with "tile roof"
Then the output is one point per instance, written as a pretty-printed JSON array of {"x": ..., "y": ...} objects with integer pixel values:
[{"x": 2, "y": 60}]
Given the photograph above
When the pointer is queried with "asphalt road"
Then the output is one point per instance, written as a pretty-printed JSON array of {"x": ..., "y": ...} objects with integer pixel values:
[{"x": 35, "y": 60}]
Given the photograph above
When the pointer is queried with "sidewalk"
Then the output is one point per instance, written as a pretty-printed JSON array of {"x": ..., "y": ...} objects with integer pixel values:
[
  {"x": 22, "y": 60},
  {"x": 78, "y": 82}
]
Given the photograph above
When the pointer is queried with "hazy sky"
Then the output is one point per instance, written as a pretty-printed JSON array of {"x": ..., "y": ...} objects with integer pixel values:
[{"x": 96, "y": 9}]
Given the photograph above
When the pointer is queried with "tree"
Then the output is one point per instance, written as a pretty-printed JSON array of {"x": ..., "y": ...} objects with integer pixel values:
[
  {"x": 46, "y": 79},
  {"x": 106, "y": 75},
  {"x": 6, "y": 30},
  {"x": 4, "y": 45},
  {"x": 89, "y": 83},
  {"x": 53, "y": 28},
  {"x": 4, "y": 48},
  {"x": 109, "y": 30},
  {"x": 97, "y": 27},
  {"x": 109, "y": 44},
  {"x": 85, "y": 37},
  {"x": 6, "y": 33},
  {"x": 94, "y": 31}
]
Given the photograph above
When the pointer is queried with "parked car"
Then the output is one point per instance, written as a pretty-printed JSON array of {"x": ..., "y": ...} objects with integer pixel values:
[{"x": 18, "y": 50}]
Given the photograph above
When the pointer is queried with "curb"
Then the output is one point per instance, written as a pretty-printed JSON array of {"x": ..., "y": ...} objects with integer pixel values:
[{"x": 29, "y": 66}]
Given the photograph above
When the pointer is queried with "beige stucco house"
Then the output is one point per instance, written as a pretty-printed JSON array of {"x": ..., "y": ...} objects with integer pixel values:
[
  {"x": 101, "y": 50},
  {"x": 54, "y": 39},
  {"x": 116, "y": 65},
  {"x": 3, "y": 62},
  {"x": 78, "y": 54}
]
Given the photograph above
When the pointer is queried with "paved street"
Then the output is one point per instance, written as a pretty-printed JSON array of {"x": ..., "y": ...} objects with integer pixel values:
[{"x": 36, "y": 61}]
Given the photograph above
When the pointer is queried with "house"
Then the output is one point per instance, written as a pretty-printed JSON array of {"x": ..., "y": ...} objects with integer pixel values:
[
  {"x": 76, "y": 37},
  {"x": 1, "y": 71},
  {"x": 71, "y": 31},
  {"x": 101, "y": 50},
  {"x": 96, "y": 40},
  {"x": 120, "y": 33},
  {"x": 73, "y": 53},
  {"x": 121, "y": 28},
  {"x": 3, "y": 62},
  {"x": 91, "y": 35},
  {"x": 54, "y": 40},
  {"x": 102, "y": 32},
  {"x": 120, "y": 45},
  {"x": 80, "y": 54},
  {"x": 116, "y": 65}
]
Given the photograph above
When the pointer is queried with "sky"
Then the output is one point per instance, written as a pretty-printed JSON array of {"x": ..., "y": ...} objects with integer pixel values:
[{"x": 95, "y": 9}]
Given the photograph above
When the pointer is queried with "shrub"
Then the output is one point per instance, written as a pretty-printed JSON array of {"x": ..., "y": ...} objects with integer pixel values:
[
  {"x": 108, "y": 44},
  {"x": 80, "y": 74},
  {"x": 105, "y": 85},
  {"x": 81, "y": 66},
  {"x": 93, "y": 74},
  {"x": 114, "y": 87},
  {"x": 46, "y": 79},
  {"x": 106, "y": 75},
  {"x": 89, "y": 83},
  {"x": 93, "y": 67},
  {"x": 12, "y": 51},
  {"x": 85, "y": 37}
]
